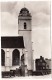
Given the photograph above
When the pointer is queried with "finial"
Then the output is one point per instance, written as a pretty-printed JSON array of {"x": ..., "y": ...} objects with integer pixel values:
[{"x": 24, "y": 4}]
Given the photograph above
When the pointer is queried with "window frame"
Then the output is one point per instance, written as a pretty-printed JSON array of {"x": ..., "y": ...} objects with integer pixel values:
[
  {"x": 2, "y": 57},
  {"x": 14, "y": 59},
  {"x": 25, "y": 25}
]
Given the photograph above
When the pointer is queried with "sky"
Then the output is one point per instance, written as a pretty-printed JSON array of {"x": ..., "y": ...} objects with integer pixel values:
[{"x": 40, "y": 11}]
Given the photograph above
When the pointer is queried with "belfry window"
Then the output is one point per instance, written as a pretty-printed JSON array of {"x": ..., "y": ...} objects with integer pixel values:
[
  {"x": 2, "y": 57},
  {"x": 25, "y": 25},
  {"x": 15, "y": 57}
]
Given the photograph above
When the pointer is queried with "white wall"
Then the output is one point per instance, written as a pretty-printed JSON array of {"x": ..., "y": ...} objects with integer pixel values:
[
  {"x": 8, "y": 59},
  {"x": 26, "y": 33}
]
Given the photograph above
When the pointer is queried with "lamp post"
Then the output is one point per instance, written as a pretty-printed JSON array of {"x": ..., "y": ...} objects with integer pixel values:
[
  {"x": 26, "y": 62},
  {"x": 32, "y": 57},
  {"x": 26, "y": 57}
]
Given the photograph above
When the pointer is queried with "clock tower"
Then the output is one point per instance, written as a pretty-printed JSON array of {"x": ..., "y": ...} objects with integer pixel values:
[{"x": 24, "y": 29}]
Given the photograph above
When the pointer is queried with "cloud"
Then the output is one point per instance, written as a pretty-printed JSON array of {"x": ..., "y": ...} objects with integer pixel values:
[
  {"x": 41, "y": 19},
  {"x": 9, "y": 24},
  {"x": 40, "y": 11},
  {"x": 36, "y": 6},
  {"x": 7, "y": 6},
  {"x": 41, "y": 42}
]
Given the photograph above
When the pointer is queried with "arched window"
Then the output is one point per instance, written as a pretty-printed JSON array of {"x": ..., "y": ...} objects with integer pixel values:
[
  {"x": 15, "y": 57},
  {"x": 25, "y": 25},
  {"x": 2, "y": 57}
]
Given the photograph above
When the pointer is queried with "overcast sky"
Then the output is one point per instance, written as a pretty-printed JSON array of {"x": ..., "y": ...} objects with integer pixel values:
[{"x": 40, "y": 11}]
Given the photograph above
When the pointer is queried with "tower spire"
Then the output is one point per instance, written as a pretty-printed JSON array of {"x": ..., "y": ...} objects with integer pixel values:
[{"x": 24, "y": 4}]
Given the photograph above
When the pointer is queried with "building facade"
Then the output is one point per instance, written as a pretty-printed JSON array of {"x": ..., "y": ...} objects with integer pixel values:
[
  {"x": 11, "y": 52},
  {"x": 24, "y": 29},
  {"x": 48, "y": 65},
  {"x": 17, "y": 51},
  {"x": 40, "y": 64},
  {"x": 43, "y": 65}
]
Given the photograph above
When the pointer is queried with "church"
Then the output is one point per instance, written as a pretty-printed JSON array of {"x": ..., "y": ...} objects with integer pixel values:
[{"x": 16, "y": 51}]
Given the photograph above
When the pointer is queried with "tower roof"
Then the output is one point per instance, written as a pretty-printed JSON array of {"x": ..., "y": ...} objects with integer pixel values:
[
  {"x": 24, "y": 9},
  {"x": 24, "y": 12},
  {"x": 12, "y": 42}
]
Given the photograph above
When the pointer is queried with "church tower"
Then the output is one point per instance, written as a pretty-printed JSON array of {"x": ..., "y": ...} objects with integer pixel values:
[{"x": 24, "y": 29}]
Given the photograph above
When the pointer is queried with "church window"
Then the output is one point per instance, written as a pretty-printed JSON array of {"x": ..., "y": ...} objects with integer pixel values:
[
  {"x": 15, "y": 57},
  {"x": 25, "y": 25},
  {"x": 2, "y": 57}
]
